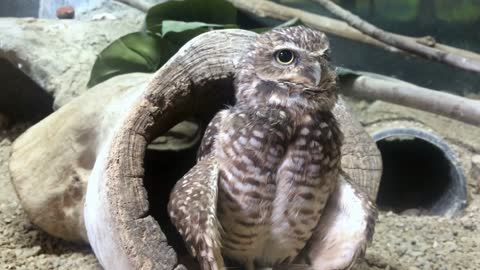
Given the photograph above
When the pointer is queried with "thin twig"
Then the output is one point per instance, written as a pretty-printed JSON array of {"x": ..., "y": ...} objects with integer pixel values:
[
  {"x": 400, "y": 43},
  {"x": 410, "y": 95}
]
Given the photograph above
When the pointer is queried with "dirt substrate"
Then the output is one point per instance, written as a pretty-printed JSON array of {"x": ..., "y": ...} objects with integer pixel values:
[{"x": 400, "y": 242}]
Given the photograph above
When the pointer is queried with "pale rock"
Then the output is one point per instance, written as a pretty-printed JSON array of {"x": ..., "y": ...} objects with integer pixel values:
[
  {"x": 60, "y": 152},
  {"x": 59, "y": 54}
]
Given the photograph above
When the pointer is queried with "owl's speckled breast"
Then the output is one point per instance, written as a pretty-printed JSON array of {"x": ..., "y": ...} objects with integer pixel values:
[{"x": 277, "y": 169}]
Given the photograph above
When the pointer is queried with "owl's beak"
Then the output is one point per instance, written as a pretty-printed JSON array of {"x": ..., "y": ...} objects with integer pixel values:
[
  {"x": 307, "y": 75},
  {"x": 317, "y": 73},
  {"x": 312, "y": 74}
]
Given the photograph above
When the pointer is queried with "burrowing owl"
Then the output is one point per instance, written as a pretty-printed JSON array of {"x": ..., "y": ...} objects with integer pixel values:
[{"x": 267, "y": 190}]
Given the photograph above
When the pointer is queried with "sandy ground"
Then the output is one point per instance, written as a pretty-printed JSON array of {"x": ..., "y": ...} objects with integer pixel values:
[
  {"x": 400, "y": 242},
  {"x": 22, "y": 245}
]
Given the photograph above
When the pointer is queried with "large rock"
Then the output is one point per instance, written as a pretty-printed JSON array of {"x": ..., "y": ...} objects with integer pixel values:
[
  {"x": 57, "y": 54},
  {"x": 51, "y": 162}
]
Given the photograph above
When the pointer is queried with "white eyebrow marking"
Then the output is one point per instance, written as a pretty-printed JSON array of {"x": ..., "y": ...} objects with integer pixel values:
[
  {"x": 291, "y": 46},
  {"x": 287, "y": 45}
]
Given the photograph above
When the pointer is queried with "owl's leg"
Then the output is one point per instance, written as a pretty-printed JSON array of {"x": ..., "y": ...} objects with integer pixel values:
[
  {"x": 192, "y": 209},
  {"x": 344, "y": 230}
]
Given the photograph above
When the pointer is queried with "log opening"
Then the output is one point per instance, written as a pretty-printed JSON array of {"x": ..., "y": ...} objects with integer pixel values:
[
  {"x": 421, "y": 173},
  {"x": 21, "y": 99},
  {"x": 164, "y": 168}
]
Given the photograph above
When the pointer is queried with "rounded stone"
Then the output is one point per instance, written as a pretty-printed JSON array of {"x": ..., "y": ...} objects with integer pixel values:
[{"x": 66, "y": 12}]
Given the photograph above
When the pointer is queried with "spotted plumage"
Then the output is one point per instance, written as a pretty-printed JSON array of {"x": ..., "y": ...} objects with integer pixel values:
[{"x": 268, "y": 190}]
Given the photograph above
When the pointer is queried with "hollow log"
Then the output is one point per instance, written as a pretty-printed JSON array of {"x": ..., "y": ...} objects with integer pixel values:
[
  {"x": 190, "y": 83},
  {"x": 421, "y": 171},
  {"x": 118, "y": 218}
]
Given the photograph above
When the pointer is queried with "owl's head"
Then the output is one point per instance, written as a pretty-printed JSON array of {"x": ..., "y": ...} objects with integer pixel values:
[{"x": 288, "y": 67}]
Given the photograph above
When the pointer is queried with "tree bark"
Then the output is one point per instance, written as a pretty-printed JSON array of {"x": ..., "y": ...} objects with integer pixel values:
[{"x": 117, "y": 209}]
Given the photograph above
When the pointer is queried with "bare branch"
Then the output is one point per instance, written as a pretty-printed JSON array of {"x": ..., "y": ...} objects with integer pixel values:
[
  {"x": 397, "y": 41},
  {"x": 410, "y": 95},
  {"x": 138, "y": 4}
]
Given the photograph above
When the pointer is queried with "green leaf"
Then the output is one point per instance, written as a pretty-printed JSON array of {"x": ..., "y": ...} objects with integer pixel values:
[
  {"x": 180, "y": 26},
  {"x": 260, "y": 30},
  {"x": 135, "y": 52},
  {"x": 206, "y": 11},
  {"x": 249, "y": 21},
  {"x": 292, "y": 22},
  {"x": 180, "y": 38}
]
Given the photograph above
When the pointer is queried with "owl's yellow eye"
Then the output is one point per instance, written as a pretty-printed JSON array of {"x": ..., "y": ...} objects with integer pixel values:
[{"x": 284, "y": 57}]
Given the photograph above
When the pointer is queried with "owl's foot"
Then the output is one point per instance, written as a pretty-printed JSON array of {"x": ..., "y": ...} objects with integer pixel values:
[{"x": 344, "y": 230}]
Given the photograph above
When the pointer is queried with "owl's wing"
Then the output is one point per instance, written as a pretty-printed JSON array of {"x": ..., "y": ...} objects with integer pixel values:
[
  {"x": 208, "y": 140},
  {"x": 192, "y": 209},
  {"x": 344, "y": 230}
]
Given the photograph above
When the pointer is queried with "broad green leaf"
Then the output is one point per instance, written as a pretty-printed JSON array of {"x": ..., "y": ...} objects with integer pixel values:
[
  {"x": 249, "y": 21},
  {"x": 291, "y": 22},
  {"x": 180, "y": 38},
  {"x": 260, "y": 30},
  {"x": 180, "y": 26},
  {"x": 135, "y": 52},
  {"x": 206, "y": 11}
]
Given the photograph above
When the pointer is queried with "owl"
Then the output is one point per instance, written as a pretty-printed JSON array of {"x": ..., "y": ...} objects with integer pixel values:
[{"x": 268, "y": 190}]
